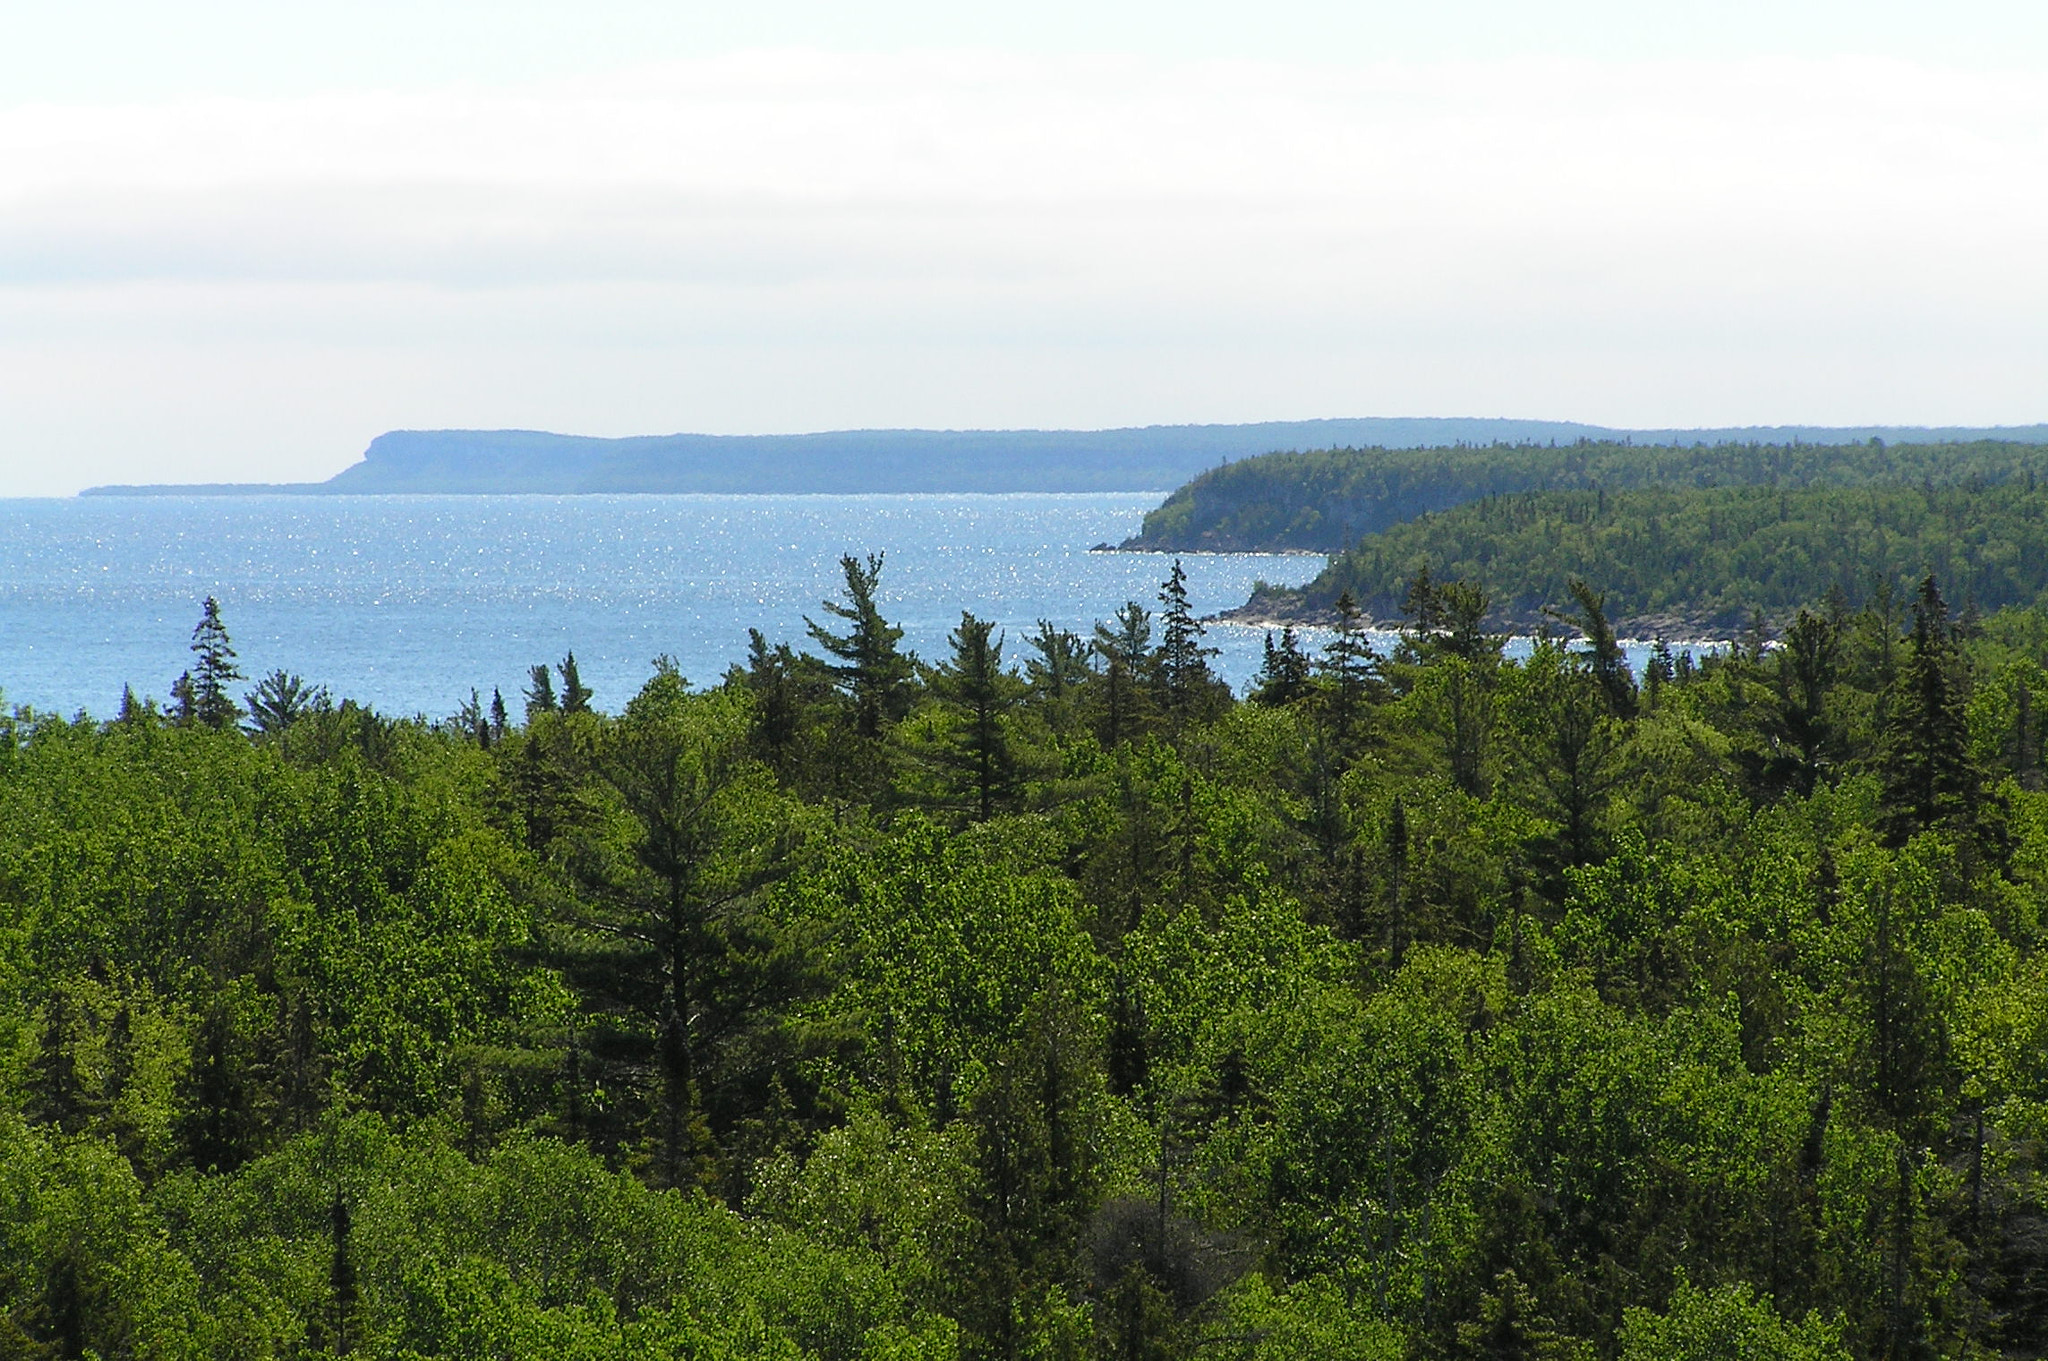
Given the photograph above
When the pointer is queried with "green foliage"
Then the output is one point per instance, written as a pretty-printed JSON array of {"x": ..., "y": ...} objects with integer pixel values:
[
  {"x": 1706, "y": 1325},
  {"x": 1703, "y": 557},
  {"x": 1440, "y": 1003},
  {"x": 1326, "y": 500}
]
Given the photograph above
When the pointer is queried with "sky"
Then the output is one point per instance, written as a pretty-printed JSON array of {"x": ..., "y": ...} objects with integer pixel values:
[{"x": 237, "y": 241}]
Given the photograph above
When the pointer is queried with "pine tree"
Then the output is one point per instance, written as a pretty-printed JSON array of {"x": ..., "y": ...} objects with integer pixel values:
[
  {"x": 1609, "y": 663},
  {"x": 1930, "y": 779},
  {"x": 2025, "y": 747},
  {"x": 873, "y": 673},
  {"x": 1126, "y": 651},
  {"x": 1806, "y": 673},
  {"x": 778, "y": 702},
  {"x": 1284, "y": 675},
  {"x": 1181, "y": 664},
  {"x": 280, "y": 700},
  {"x": 575, "y": 695},
  {"x": 341, "y": 1276},
  {"x": 56, "y": 1095},
  {"x": 974, "y": 683},
  {"x": 540, "y": 692},
  {"x": 1659, "y": 671},
  {"x": 1057, "y": 672},
  {"x": 501, "y": 722},
  {"x": 203, "y": 696},
  {"x": 473, "y": 722},
  {"x": 1347, "y": 669},
  {"x": 1448, "y": 618}
]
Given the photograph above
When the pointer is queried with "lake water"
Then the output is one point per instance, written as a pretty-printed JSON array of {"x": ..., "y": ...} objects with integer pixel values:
[{"x": 407, "y": 602}]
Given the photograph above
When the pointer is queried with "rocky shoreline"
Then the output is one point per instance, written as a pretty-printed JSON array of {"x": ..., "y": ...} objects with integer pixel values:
[{"x": 1279, "y": 608}]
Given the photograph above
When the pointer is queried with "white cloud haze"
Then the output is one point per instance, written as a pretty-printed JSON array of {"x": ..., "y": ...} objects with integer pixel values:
[{"x": 241, "y": 288}]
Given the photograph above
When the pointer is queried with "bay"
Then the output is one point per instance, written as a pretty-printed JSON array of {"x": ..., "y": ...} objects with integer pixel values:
[{"x": 409, "y": 602}]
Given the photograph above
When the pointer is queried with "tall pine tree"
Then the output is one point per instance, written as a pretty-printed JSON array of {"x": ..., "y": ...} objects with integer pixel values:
[{"x": 1930, "y": 779}]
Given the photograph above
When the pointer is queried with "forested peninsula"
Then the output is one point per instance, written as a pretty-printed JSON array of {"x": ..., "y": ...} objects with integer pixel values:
[
  {"x": 1047, "y": 999},
  {"x": 1324, "y": 501},
  {"x": 1700, "y": 562}
]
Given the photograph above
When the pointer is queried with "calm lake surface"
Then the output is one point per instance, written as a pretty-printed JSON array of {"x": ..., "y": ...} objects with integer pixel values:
[{"x": 407, "y": 602}]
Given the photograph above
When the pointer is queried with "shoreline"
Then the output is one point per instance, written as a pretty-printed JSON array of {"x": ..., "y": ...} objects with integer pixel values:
[{"x": 1645, "y": 630}]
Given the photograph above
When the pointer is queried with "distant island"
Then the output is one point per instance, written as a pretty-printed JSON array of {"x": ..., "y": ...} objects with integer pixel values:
[{"x": 1139, "y": 458}]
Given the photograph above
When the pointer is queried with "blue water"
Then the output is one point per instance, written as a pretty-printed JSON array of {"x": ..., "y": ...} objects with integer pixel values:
[{"x": 407, "y": 602}]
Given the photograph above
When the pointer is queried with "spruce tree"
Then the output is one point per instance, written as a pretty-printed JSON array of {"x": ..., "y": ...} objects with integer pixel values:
[
  {"x": 1181, "y": 665},
  {"x": 1284, "y": 674},
  {"x": 1126, "y": 651},
  {"x": 1347, "y": 666},
  {"x": 974, "y": 683},
  {"x": 771, "y": 675},
  {"x": 1610, "y": 665},
  {"x": 1930, "y": 779},
  {"x": 341, "y": 1276},
  {"x": 540, "y": 692},
  {"x": 871, "y": 671},
  {"x": 575, "y": 694},
  {"x": 1806, "y": 674},
  {"x": 205, "y": 698}
]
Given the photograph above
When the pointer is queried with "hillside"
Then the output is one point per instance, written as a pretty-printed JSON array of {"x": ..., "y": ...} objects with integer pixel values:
[
  {"x": 1143, "y": 458},
  {"x": 1132, "y": 459},
  {"x": 1442, "y": 1005},
  {"x": 1322, "y": 501},
  {"x": 1695, "y": 561}
]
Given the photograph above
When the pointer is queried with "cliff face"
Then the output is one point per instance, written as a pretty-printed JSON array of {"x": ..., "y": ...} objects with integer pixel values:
[{"x": 1139, "y": 458}]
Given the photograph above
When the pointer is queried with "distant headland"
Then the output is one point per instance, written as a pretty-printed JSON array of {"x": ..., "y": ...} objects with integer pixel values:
[{"x": 1137, "y": 458}]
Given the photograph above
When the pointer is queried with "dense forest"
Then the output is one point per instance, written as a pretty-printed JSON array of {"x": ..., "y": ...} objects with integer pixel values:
[
  {"x": 1325, "y": 501},
  {"x": 1046, "y": 1000},
  {"x": 1699, "y": 562}
]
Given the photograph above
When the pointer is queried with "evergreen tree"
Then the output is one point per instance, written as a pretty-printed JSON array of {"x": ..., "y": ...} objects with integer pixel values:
[
  {"x": 135, "y": 712},
  {"x": 1930, "y": 779},
  {"x": 501, "y": 722},
  {"x": 974, "y": 683},
  {"x": 1448, "y": 618},
  {"x": 473, "y": 722},
  {"x": 1603, "y": 650},
  {"x": 1057, "y": 673},
  {"x": 871, "y": 671},
  {"x": 575, "y": 695},
  {"x": 771, "y": 675},
  {"x": 540, "y": 692},
  {"x": 56, "y": 1095},
  {"x": 1659, "y": 671},
  {"x": 672, "y": 943},
  {"x": 281, "y": 699},
  {"x": 1181, "y": 665},
  {"x": 1284, "y": 674},
  {"x": 341, "y": 1276},
  {"x": 1126, "y": 651},
  {"x": 1347, "y": 670},
  {"x": 202, "y": 693},
  {"x": 1806, "y": 675}
]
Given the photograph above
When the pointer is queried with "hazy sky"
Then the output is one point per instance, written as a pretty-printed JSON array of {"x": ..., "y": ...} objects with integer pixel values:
[{"x": 239, "y": 240}]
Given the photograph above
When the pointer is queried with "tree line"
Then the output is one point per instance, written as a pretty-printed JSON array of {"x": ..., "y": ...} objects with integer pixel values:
[
  {"x": 1421, "y": 1002},
  {"x": 1327, "y": 500},
  {"x": 1707, "y": 559}
]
